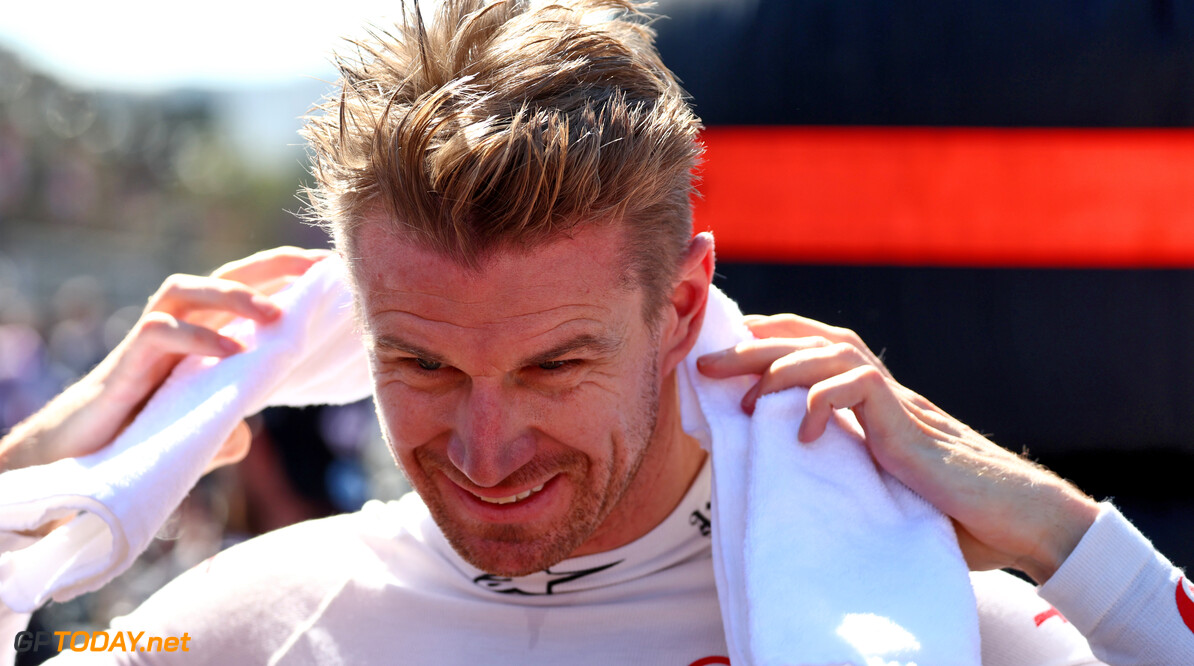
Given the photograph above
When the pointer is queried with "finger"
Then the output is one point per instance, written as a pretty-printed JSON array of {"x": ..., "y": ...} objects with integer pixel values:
[
  {"x": 753, "y": 357},
  {"x": 162, "y": 333},
  {"x": 151, "y": 350},
  {"x": 863, "y": 387},
  {"x": 808, "y": 367},
  {"x": 790, "y": 325},
  {"x": 794, "y": 326},
  {"x": 181, "y": 295},
  {"x": 749, "y": 400},
  {"x": 264, "y": 268},
  {"x": 234, "y": 449}
]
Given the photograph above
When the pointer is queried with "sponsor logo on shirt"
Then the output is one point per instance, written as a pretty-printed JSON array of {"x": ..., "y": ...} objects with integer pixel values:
[
  {"x": 1052, "y": 612},
  {"x": 711, "y": 661},
  {"x": 1185, "y": 602},
  {"x": 701, "y": 521},
  {"x": 537, "y": 584}
]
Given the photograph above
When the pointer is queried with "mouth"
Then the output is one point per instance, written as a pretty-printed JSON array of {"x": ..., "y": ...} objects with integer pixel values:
[
  {"x": 529, "y": 505},
  {"x": 510, "y": 499}
]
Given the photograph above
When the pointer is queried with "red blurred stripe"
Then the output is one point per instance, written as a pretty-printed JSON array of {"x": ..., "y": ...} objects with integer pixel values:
[{"x": 951, "y": 196}]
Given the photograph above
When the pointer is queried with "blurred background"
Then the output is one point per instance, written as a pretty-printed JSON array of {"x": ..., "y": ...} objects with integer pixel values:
[
  {"x": 139, "y": 140},
  {"x": 998, "y": 195}
]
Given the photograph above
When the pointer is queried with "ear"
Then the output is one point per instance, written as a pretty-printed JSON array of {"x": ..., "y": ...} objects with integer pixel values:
[{"x": 685, "y": 311}]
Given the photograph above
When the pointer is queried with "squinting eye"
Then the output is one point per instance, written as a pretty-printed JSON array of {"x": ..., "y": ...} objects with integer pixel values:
[
  {"x": 552, "y": 365},
  {"x": 428, "y": 365}
]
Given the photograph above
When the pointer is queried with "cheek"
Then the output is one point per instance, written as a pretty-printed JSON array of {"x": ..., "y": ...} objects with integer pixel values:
[
  {"x": 582, "y": 423},
  {"x": 597, "y": 417},
  {"x": 411, "y": 418}
]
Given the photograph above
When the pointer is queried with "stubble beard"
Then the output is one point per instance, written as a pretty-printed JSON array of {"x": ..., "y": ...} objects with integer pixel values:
[{"x": 517, "y": 549}]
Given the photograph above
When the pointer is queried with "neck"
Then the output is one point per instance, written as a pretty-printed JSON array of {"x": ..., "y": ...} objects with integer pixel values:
[{"x": 669, "y": 466}]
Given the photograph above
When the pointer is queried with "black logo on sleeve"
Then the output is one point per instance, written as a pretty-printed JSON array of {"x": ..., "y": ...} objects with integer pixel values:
[{"x": 702, "y": 521}]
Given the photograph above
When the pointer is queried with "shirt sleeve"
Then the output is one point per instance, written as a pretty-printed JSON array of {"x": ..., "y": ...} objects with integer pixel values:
[{"x": 1132, "y": 605}]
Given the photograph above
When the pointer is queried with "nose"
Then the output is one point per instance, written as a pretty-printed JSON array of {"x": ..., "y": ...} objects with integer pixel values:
[{"x": 491, "y": 440}]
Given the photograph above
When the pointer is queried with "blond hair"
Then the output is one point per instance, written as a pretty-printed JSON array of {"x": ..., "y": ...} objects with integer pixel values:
[{"x": 503, "y": 124}]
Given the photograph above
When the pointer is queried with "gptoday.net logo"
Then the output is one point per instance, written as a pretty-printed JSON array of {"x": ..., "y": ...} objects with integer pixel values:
[{"x": 99, "y": 641}]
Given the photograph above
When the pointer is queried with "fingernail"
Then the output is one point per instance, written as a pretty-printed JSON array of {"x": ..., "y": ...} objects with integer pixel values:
[
  {"x": 711, "y": 358},
  {"x": 230, "y": 345},
  {"x": 801, "y": 435},
  {"x": 748, "y": 400},
  {"x": 752, "y": 318}
]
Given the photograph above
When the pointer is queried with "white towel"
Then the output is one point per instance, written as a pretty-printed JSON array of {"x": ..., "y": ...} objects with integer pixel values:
[
  {"x": 819, "y": 558},
  {"x": 126, "y": 491}
]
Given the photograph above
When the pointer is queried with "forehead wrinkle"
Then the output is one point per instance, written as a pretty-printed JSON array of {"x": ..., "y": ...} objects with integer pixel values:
[
  {"x": 385, "y": 291},
  {"x": 525, "y": 290},
  {"x": 603, "y": 343},
  {"x": 448, "y": 279},
  {"x": 427, "y": 317}
]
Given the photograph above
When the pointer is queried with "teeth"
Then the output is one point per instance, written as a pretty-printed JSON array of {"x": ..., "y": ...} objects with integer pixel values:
[{"x": 512, "y": 498}]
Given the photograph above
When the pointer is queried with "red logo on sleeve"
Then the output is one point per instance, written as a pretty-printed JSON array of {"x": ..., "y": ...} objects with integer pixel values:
[
  {"x": 1185, "y": 602},
  {"x": 1052, "y": 612},
  {"x": 710, "y": 661}
]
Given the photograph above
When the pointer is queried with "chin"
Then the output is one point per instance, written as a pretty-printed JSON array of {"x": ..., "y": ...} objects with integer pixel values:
[
  {"x": 513, "y": 550},
  {"x": 525, "y": 537},
  {"x": 510, "y": 560}
]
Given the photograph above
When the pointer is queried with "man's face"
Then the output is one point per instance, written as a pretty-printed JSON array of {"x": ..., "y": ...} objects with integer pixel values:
[{"x": 519, "y": 399}]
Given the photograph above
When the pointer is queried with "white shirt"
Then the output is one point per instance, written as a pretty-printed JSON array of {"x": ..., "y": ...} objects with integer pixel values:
[{"x": 383, "y": 586}]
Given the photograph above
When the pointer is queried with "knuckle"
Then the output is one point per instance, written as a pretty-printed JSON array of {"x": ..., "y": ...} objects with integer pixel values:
[
  {"x": 170, "y": 288},
  {"x": 741, "y": 348},
  {"x": 818, "y": 394},
  {"x": 785, "y": 324},
  {"x": 771, "y": 377},
  {"x": 842, "y": 348},
  {"x": 848, "y": 336},
  {"x": 174, "y": 282},
  {"x": 850, "y": 352},
  {"x": 871, "y": 376},
  {"x": 786, "y": 363},
  {"x": 778, "y": 364},
  {"x": 155, "y": 324}
]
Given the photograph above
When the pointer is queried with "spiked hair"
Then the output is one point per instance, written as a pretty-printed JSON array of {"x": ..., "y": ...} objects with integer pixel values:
[{"x": 505, "y": 123}]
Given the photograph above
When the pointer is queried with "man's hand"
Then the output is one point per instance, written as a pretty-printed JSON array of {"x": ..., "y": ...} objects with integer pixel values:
[
  {"x": 1008, "y": 512},
  {"x": 181, "y": 318}
]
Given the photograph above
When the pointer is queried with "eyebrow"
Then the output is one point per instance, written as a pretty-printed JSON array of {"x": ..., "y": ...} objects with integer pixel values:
[
  {"x": 391, "y": 343},
  {"x": 603, "y": 345}
]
